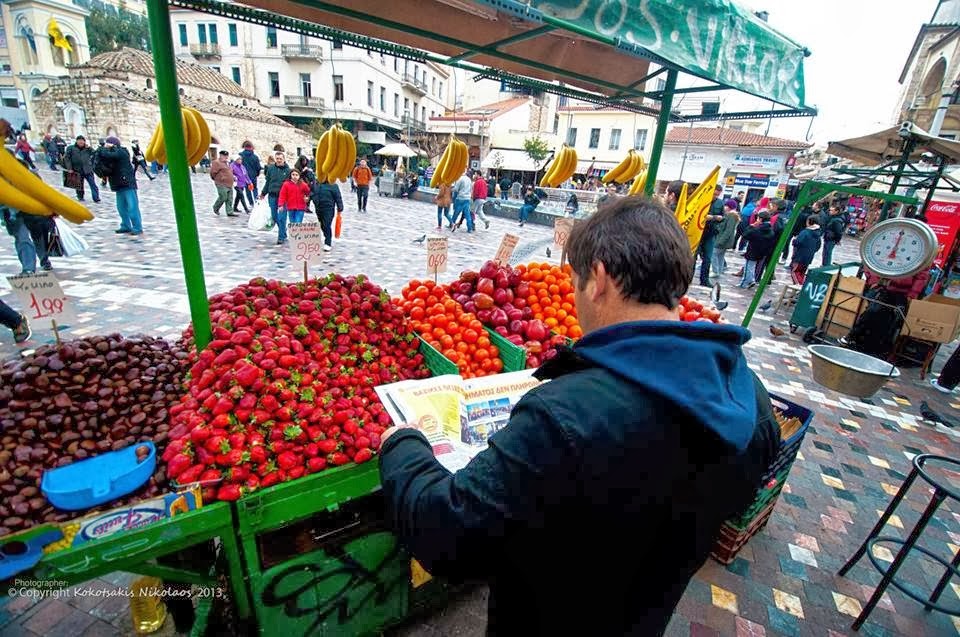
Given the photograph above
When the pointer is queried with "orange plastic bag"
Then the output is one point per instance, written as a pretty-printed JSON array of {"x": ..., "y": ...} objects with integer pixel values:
[{"x": 338, "y": 225}]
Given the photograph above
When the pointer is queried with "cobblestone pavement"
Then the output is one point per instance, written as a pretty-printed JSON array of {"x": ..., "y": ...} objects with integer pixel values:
[{"x": 783, "y": 582}]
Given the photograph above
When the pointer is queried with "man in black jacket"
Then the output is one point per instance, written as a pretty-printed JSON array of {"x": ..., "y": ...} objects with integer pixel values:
[
  {"x": 79, "y": 158},
  {"x": 832, "y": 233},
  {"x": 327, "y": 202},
  {"x": 252, "y": 163},
  {"x": 118, "y": 169},
  {"x": 591, "y": 510},
  {"x": 708, "y": 239}
]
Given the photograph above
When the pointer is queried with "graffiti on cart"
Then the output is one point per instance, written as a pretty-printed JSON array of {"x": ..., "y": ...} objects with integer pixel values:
[{"x": 292, "y": 587}]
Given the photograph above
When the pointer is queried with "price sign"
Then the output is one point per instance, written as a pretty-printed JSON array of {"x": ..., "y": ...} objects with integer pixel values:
[
  {"x": 506, "y": 248},
  {"x": 561, "y": 230},
  {"x": 306, "y": 244},
  {"x": 436, "y": 255},
  {"x": 42, "y": 298}
]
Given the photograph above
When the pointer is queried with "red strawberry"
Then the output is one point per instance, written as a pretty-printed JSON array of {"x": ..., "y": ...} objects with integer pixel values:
[
  {"x": 338, "y": 458},
  {"x": 229, "y": 492},
  {"x": 270, "y": 479},
  {"x": 287, "y": 460},
  {"x": 297, "y": 471},
  {"x": 190, "y": 475},
  {"x": 178, "y": 464},
  {"x": 258, "y": 454},
  {"x": 210, "y": 475},
  {"x": 316, "y": 464},
  {"x": 362, "y": 456}
]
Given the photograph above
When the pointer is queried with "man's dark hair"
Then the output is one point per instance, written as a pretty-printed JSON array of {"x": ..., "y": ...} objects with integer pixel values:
[
  {"x": 641, "y": 246},
  {"x": 675, "y": 187},
  {"x": 765, "y": 215},
  {"x": 779, "y": 203}
]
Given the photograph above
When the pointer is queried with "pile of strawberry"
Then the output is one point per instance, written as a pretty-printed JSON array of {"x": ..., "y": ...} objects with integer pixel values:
[{"x": 286, "y": 388}]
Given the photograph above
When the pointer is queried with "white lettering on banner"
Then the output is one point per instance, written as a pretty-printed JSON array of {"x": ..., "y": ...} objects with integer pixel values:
[
  {"x": 42, "y": 297},
  {"x": 702, "y": 50},
  {"x": 946, "y": 207},
  {"x": 436, "y": 255},
  {"x": 505, "y": 251},
  {"x": 306, "y": 244}
]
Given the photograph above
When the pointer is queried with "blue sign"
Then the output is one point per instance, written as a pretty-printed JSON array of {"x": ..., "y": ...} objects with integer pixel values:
[{"x": 752, "y": 182}]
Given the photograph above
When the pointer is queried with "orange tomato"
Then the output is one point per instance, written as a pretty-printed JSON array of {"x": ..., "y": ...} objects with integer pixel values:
[{"x": 574, "y": 331}]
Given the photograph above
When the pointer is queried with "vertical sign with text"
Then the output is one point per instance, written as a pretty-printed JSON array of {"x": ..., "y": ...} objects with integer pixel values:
[
  {"x": 41, "y": 297},
  {"x": 436, "y": 255},
  {"x": 561, "y": 230},
  {"x": 505, "y": 251},
  {"x": 306, "y": 244}
]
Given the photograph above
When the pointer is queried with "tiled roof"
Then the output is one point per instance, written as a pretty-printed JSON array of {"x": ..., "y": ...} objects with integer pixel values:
[
  {"x": 128, "y": 60},
  {"x": 204, "y": 106},
  {"x": 485, "y": 112},
  {"x": 727, "y": 137}
]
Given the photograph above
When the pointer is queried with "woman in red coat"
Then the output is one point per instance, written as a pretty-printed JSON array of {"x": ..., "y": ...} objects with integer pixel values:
[
  {"x": 23, "y": 150},
  {"x": 294, "y": 195}
]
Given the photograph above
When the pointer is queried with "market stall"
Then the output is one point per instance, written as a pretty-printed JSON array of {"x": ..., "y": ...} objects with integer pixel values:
[{"x": 265, "y": 452}]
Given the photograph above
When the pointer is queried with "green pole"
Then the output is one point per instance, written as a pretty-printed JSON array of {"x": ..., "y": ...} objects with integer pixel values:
[
  {"x": 164, "y": 64},
  {"x": 666, "y": 103},
  {"x": 908, "y": 146}
]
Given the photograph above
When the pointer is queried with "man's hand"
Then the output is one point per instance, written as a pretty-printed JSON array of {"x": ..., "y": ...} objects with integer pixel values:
[{"x": 392, "y": 430}]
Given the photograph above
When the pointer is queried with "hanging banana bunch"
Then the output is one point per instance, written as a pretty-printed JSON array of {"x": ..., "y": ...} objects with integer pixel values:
[
  {"x": 453, "y": 163},
  {"x": 627, "y": 169},
  {"x": 196, "y": 136},
  {"x": 336, "y": 154},
  {"x": 24, "y": 191},
  {"x": 561, "y": 169},
  {"x": 638, "y": 183}
]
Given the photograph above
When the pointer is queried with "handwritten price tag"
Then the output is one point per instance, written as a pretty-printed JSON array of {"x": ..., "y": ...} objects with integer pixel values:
[
  {"x": 306, "y": 244},
  {"x": 436, "y": 255},
  {"x": 561, "y": 230},
  {"x": 505, "y": 251},
  {"x": 42, "y": 298}
]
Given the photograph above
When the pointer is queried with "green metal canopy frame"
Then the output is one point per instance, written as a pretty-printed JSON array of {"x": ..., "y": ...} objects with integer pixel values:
[{"x": 597, "y": 51}]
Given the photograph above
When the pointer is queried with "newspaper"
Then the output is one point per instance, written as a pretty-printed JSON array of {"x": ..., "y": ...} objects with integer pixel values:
[{"x": 456, "y": 415}]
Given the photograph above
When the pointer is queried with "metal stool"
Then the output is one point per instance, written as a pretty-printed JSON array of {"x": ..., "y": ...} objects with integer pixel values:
[
  {"x": 788, "y": 296},
  {"x": 940, "y": 493}
]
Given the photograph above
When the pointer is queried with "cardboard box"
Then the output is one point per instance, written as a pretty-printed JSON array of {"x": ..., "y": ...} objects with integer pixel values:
[
  {"x": 136, "y": 515},
  {"x": 844, "y": 306},
  {"x": 936, "y": 318}
]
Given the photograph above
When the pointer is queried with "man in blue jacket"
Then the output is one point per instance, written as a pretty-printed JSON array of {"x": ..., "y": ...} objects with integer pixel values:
[
  {"x": 252, "y": 163},
  {"x": 591, "y": 510}
]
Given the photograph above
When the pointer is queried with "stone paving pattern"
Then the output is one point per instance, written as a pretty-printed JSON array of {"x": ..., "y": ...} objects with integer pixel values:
[{"x": 784, "y": 581}]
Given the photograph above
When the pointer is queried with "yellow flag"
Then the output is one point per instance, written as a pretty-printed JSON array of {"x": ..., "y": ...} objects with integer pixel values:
[
  {"x": 698, "y": 207},
  {"x": 53, "y": 30},
  {"x": 681, "y": 210}
]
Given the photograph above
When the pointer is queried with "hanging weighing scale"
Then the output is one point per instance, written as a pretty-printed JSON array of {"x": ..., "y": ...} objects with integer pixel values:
[{"x": 898, "y": 248}]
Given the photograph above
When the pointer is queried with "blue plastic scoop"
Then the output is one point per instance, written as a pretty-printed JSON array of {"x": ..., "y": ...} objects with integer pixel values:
[{"x": 85, "y": 484}]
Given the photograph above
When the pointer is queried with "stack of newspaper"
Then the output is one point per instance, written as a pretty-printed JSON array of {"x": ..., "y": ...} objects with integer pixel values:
[{"x": 456, "y": 415}]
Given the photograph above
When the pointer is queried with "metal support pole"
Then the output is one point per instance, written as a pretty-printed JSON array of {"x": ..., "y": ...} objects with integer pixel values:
[
  {"x": 666, "y": 103},
  {"x": 908, "y": 146},
  {"x": 933, "y": 185},
  {"x": 164, "y": 64}
]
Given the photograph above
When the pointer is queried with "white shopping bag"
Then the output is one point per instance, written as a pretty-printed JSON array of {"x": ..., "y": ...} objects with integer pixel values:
[
  {"x": 71, "y": 243},
  {"x": 260, "y": 217}
]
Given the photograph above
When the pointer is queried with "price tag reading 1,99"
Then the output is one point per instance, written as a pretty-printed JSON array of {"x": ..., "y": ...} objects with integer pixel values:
[
  {"x": 41, "y": 298},
  {"x": 436, "y": 255},
  {"x": 561, "y": 230}
]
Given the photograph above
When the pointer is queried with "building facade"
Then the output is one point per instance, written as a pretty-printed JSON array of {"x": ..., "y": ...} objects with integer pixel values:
[
  {"x": 602, "y": 137},
  {"x": 114, "y": 94},
  {"x": 301, "y": 78},
  {"x": 29, "y": 57}
]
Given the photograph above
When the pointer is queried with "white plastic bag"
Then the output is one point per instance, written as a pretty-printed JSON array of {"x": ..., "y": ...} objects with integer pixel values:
[
  {"x": 71, "y": 243},
  {"x": 260, "y": 217}
]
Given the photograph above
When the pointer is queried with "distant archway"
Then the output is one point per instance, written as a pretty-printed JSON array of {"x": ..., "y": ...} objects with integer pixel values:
[
  {"x": 74, "y": 119},
  {"x": 933, "y": 81}
]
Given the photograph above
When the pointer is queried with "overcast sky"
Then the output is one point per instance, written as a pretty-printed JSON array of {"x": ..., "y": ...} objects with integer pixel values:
[{"x": 858, "y": 49}]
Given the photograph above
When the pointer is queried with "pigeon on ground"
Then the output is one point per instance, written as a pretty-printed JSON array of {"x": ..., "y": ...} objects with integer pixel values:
[
  {"x": 776, "y": 331},
  {"x": 721, "y": 305},
  {"x": 766, "y": 306},
  {"x": 715, "y": 294},
  {"x": 420, "y": 240},
  {"x": 932, "y": 416},
  {"x": 548, "y": 253}
]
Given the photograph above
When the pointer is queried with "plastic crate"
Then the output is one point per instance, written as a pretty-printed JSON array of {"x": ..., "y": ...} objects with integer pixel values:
[
  {"x": 437, "y": 363},
  {"x": 513, "y": 356},
  {"x": 789, "y": 448},
  {"x": 731, "y": 540},
  {"x": 765, "y": 495}
]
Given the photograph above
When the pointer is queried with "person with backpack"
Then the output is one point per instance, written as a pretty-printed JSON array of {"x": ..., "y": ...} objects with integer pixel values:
[
  {"x": 328, "y": 202},
  {"x": 805, "y": 246},
  {"x": 252, "y": 163},
  {"x": 114, "y": 164},
  {"x": 78, "y": 158},
  {"x": 832, "y": 233}
]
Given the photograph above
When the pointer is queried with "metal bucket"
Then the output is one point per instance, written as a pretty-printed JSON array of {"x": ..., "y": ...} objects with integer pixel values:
[{"x": 849, "y": 372}]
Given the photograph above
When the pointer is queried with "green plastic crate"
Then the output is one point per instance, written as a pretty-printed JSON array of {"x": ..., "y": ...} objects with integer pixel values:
[
  {"x": 765, "y": 495},
  {"x": 513, "y": 356},
  {"x": 437, "y": 363}
]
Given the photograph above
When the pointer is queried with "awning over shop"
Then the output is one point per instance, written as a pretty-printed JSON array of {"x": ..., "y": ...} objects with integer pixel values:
[
  {"x": 508, "y": 159},
  {"x": 888, "y": 144}
]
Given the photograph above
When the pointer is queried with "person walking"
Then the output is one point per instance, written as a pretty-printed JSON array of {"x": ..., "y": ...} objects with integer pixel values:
[
  {"x": 725, "y": 238},
  {"x": 362, "y": 176},
  {"x": 761, "y": 240},
  {"x": 705, "y": 250},
  {"x": 16, "y": 321},
  {"x": 443, "y": 199},
  {"x": 241, "y": 185},
  {"x": 618, "y": 452},
  {"x": 221, "y": 172},
  {"x": 480, "y": 188},
  {"x": 139, "y": 161},
  {"x": 252, "y": 163},
  {"x": 118, "y": 168},
  {"x": 530, "y": 203},
  {"x": 328, "y": 203},
  {"x": 832, "y": 233},
  {"x": 51, "y": 151},
  {"x": 274, "y": 177},
  {"x": 79, "y": 159},
  {"x": 462, "y": 191},
  {"x": 505, "y": 183},
  {"x": 23, "y": 149},
  {"x": 805, "y": 246},
  {"x": 294, "y": 195},
  {"x": 15, "y": 223}
]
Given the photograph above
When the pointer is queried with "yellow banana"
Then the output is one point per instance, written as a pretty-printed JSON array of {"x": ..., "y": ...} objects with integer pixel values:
[
  {"x": 351, "y": 157},
  {"x": 322, "y": 149},
  {"x": 191, "y": 134},
  {"x": 572, "y": 166},
  {"x": 453, "y": 162},
  {"x": 150, "y": 153},
  {"x": 639, "y": 182},
  {"x": 32, "y": 186},
  {"x": 333, "y": 151},
  {"x": 633, "y": 169},
  {"x": 201, "y": 132},
  {"x": 345, "y": 157},
  {"x": 547, "y": 178},
  {"x": 11, "y": 196},
  {"x": 437, "y": 179},
  {"x": 614, "y": 175},
  {"x": 464, "y": 159}
]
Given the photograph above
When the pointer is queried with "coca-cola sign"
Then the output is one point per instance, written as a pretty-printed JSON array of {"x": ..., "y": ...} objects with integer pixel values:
[
  {"x": 944, "y": 207},
  {"x": 943, "y": 217}
]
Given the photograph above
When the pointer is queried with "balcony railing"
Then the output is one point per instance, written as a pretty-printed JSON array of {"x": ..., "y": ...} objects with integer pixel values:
[
  {"x": 205, "y": 50},
  {"x": 414, "y": 83},
  {"x": 303, "y": 51},
  {"x": 303, "y": 101},
  {"x": 414, "y": 124}
]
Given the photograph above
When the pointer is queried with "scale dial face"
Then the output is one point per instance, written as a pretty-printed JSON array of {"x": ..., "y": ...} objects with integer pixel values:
[{"x": 898, "y": 248}]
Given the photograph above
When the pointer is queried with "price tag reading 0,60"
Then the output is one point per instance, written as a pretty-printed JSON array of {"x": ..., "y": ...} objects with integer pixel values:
[
  {"x": 561, "y": 230},
  {"x": 436, "y": 255},
  {"x": 42, "y": 298}
]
